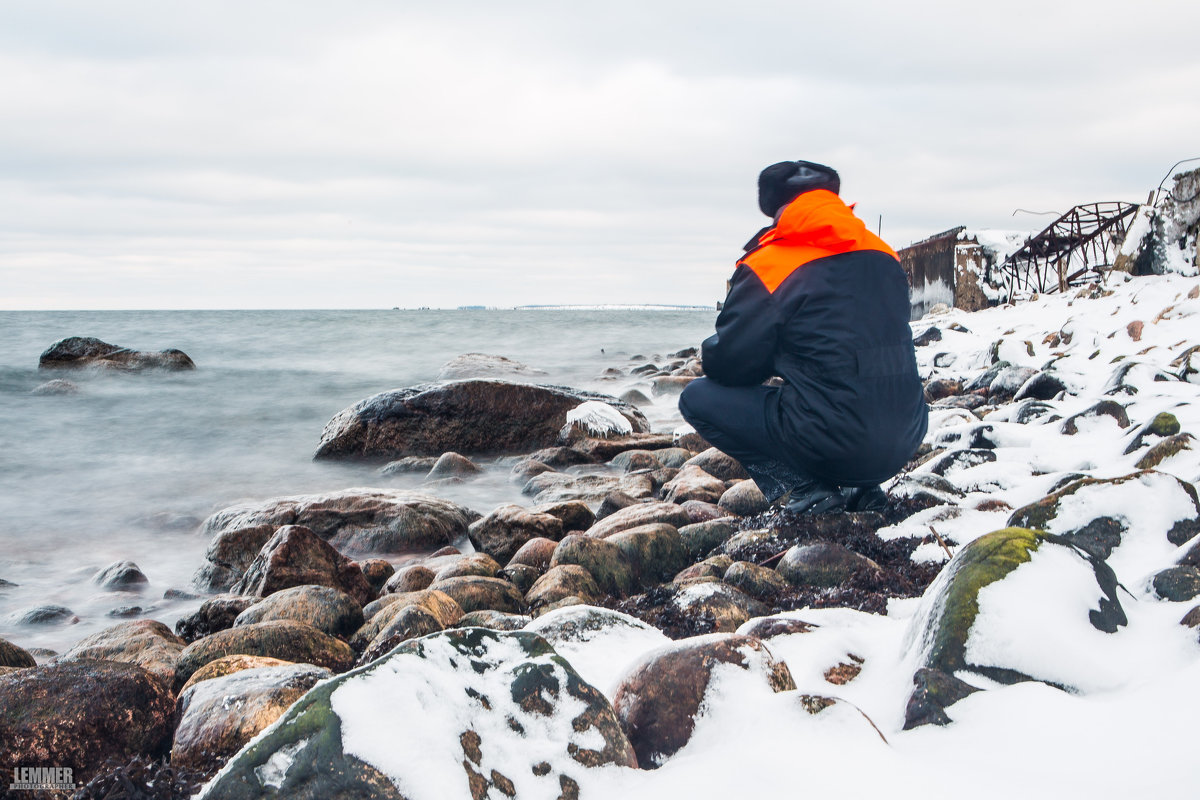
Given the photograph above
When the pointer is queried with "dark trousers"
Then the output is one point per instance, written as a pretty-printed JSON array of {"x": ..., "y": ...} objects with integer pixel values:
[{"x": 733, "y": 419}]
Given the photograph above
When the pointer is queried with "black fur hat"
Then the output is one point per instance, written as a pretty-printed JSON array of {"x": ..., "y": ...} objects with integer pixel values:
[{"x": 780, "y": 184}]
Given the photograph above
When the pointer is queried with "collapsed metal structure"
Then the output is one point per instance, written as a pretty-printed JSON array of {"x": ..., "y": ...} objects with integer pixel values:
[{"x": 1073, "y": 248}]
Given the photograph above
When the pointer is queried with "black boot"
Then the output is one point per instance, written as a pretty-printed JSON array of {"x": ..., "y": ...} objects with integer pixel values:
[
  {"x": 865, "y": 499},
  {"x": 812, "y": 497}
]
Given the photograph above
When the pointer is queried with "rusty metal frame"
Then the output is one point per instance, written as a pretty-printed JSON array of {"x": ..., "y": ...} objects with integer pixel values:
[{"x": 1073, "y": 248}]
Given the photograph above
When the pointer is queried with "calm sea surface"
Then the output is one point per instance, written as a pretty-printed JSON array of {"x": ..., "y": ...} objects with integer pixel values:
[{"x": 129, "y": 467}]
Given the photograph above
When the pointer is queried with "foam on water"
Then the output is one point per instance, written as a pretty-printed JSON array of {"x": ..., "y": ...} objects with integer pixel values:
[{"x": 129, "y": 467}]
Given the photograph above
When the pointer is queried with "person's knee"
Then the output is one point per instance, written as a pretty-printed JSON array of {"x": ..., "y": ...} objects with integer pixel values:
[{"x": 690, "y": 402}]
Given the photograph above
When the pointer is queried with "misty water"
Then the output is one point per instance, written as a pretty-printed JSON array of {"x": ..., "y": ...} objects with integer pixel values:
[{"x": 129, "y": 467}]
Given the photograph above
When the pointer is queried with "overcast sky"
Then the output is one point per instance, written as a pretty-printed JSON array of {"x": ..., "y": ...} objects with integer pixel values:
[{"x": 300, "y": 154}]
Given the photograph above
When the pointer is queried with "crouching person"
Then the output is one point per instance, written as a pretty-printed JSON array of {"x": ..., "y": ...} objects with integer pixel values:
[{"x": 821, "y": 302}]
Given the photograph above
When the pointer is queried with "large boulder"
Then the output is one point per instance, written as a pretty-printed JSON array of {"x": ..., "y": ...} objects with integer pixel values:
[
  {"x": 144, "y": 642},
  {"x": 13, "y": 656},
  {"x": 329, "y": 610},
  {"x": 503, "y": 532},
  {"x": 295, "y": 556},
  {"x": 353, "y": 520},
  {"x": 661, "y": 696},
  {"x": 468, "y": 712},
  {"x": 80, "y": 714},
  {"x": 599, "y": 642},
  {"x": 473, "y": 416},
  {"x": 84, "y": 351},
  {"x": 655, "y": 551},
  {"x": 475, "y": 593},
  {"x": 282, "y": 639},
  {"x": 608, "y": 565},
  {"x": 1008, "y": 601},
  {"x": 1134, "y": 522},
  {"x": 218, "y": 716}
]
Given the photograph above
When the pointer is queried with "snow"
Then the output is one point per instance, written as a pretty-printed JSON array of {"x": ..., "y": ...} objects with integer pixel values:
[{"x": 599, "y": 419}]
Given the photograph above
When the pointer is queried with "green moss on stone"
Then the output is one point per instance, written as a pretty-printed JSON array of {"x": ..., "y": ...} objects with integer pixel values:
[
  {"x": 1165, "y": 449},
  {"x": 1164, "y": 424}
]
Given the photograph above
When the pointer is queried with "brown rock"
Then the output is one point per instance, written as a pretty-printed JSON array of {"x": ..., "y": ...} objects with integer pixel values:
[
  {"x": 767, "y": 627},
  {"x": 328, "y": 610},
  {"x": 474, "y": 593},
  {"x": 657, "y": 702},
  {"x": 410, "y": 622},
  {"x": 412, "y": 578},
  {"x": 535, "y": 553},
  {"x": 229, "y": 665},
  {"x": 295, "y": 556},
  {"x": 604, "y": 561},
  {"x": 574, "y": 514},
  {"x": 215, "y": 614},
  {"x": 78, "y": 351},
  {"x": 641, "y": 514},
  {"x": 727, "y": 608},
  {"x": 1134, "y": 329},
  {"x": 282, "y": 639},
  {"x": 606, "y": 449},
  {"x": 822, "y": 564},
  {"x": 744, "y": 499},
  {"x": 501, "y": 533},
  {"x": 218, "y": 716},
  {"x": 562, "y": 581},
  {"x": 693, "y": 483},
  {"x": 144, "y": 642},
  {"x": 471, "y": 416},
  {"x": 443, "y": 607},
  {"x": 655, "y": 551},
  {"x": 377, "y": 571},
  {"x": 719, "y": 465},
  {"x": 80, "y": 714},
  {"x": 453, "y": 465},
  {"x": 13, "y": 656},
  {"x": 761, "y": 583}
]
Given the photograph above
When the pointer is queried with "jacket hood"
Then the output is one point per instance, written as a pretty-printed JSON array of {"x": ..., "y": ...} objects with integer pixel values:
[{"x": 820, "y": 219}]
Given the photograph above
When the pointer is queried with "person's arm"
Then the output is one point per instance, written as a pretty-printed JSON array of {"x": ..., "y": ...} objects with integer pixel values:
[{"x": 742, "y": 351}]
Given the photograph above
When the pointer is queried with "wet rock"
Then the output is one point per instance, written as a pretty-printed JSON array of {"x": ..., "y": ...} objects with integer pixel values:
[
  {"x": 822, "y": 564},
  {"x": 57, "y": 387},
  {"x": 214, "y": 614},
  {"x": 471, "y": 416},
  {"x": 443, "y": 607},
  {"x": 933, "y": 691},
  {"x": 702, "y": 538},
  {"x": 122, "y": 576},
  {"x": 1101, "y": 533},
  {"x": 475, "y": 593},
  {"x": 453, "y": 465},
  {"x": 940, "y": 388},
  {"x": 1032, "y": 411},
  {"x": 953, "y": 610},
  {"x": 78, "y": 351},
  {"x": 494, "y": 620},
  {"x": 1008, "y": 382},
  {"x": 554, "y": 487},
  {"x": 409, "y": 465},
  {"x": 562, "y": 581},
  {"x": 699, "y": 511},
  {"x": 761, "y": 583},
  {"x": 282, "y": 639},
  {"x": 521, "y": 576},
  {"x": 953, "y": 461},
  {"x": 412, "y": 578},
  {"x": 80, "y": 714},
  {"x": 641, "y": 514},
  {"x": 1192, "y": 618},
  {"x": 1178, "y": 583},
  {"x": 1163, "y": 425},
  {"x": 561, "y": 457},
  {"x": 632, "y": 460},
  {"x": 476, "y": 564},
  {"x": 928, "y": 336},
  {"x": 484, "y": 365},
  {"x": 410, "y": 622},
  {"x": 1042, "y": 386},
  {"x": 1105, "y": 408},
  {"x": 670, "y": 384},
  {"x": 508, "y": 684},
  {"x": 767, "y": 627},
  {"x": 146, "y": 643},
  {"x": 353, "y": 520},
  {"x": 654, "y": 551},
  {"x": 743, "y": 499},
  {"x": 46, "y": 615},
  {"x": 673, "y": 457},
  {"x": 693, "y": 483},
  {"x": 724, "y": 607},
  {"x": 659, "y": 699},
  {"x": 1171, "y": 446},
  {"x": 969, "y": 402},
  {"x": 604, "y": 450},
  {"x": 708, "y": 568},
  {"x": 218, "y": 716},
  {"x": 718, "y": 465},
  {"x": 377, "y": 571},
  {"x": 535, "y": 553},
  {"x": 328, "y": 610},
  {"x": 295, "y": 556},
  {"x": 574, "y": 514},
  {"x": 229, "y": 665},
  {"x": 635, "y": 398},
  {"x": 604, "y": 561},
  {"x": 526, "y": 469},
  {"x": 13, "y": 656},
  {"x": 614, "y": 502},
  {"x": 502, "y": 533},
  {"x": 925, "y": 490}
]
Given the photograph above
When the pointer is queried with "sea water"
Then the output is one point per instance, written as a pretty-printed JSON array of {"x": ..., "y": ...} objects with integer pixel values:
[{"x": 128, "y": 468}]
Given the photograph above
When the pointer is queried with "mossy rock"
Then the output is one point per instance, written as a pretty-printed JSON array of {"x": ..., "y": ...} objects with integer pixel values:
[
  {"x": 761, "y": 583},
  {"x": 282, "y": 639},
  {"x": 701, "y": 538},
  {"x": 509, "y": 682},
  {"x": 655, "y": 552},
  {"x": 951, "y": 605},
  {"x": 604, "y": 560}
]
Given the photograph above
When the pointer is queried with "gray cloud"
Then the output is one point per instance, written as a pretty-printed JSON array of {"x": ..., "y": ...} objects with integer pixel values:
[{"x": 283, "y": 154}]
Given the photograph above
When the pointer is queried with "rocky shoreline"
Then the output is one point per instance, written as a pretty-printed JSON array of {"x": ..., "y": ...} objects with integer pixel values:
[{"x": 1063, "y": 460}]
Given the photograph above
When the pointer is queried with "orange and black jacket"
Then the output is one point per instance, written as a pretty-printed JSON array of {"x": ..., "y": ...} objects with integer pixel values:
[{"x": 823, "y": 303}]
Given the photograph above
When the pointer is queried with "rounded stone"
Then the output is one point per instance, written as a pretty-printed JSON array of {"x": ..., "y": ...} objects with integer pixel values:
[
  {"x": 822, "y": 564},
  {"x": 327, "y": 609}
]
